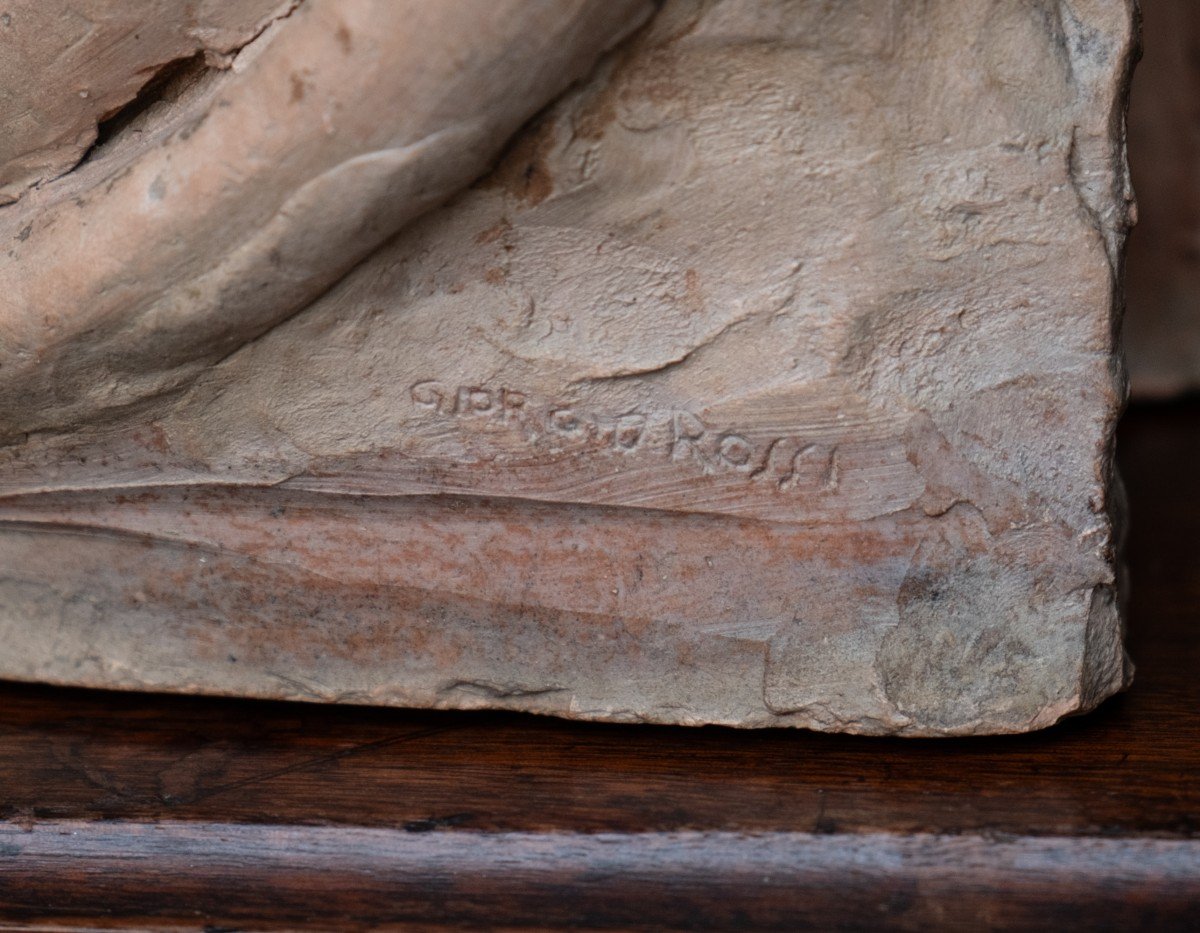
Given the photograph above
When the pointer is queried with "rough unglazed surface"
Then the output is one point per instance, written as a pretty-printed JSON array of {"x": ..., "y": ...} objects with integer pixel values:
[
  {"x": 263, "y": 183},
  {"x": 1162, "y": 327},
  {"x": 769, "y": 379},
  {"x": 67, "y": 65}
]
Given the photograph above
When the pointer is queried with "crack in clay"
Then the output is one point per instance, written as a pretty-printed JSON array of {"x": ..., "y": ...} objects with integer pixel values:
[
  {"x": 109, "y": 126},
  {"x": 148, "y": 327},
  {"x": 500, "y": 691}
]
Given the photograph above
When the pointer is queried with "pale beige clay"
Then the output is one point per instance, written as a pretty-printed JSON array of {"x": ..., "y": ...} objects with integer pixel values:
[
  {"x": 768, "y": 379},
  {"x": 263, "y": 187},
  {"x": 66, "y": 65}
]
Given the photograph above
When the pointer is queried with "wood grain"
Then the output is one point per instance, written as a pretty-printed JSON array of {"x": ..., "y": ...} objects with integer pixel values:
[{"x": 124, "y": 810}]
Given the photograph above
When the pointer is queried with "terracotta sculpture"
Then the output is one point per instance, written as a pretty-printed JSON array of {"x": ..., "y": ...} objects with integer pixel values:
[{"x": 769, "y": 377}]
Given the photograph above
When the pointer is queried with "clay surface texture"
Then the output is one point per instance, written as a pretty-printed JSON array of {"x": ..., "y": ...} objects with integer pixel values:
[{"x": 768, "y": 378}]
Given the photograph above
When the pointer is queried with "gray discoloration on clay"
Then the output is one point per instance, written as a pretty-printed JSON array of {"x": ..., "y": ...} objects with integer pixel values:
[{"x": 980, "y": 635}]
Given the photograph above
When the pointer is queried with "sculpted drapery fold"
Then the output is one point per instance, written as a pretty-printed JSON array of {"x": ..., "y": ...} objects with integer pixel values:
[{"x": 766, "y": 376}]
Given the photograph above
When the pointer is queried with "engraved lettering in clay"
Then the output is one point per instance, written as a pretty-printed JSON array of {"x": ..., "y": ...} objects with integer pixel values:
[
  {"x": 752, "y": 384},
  {"x": 555, "y": 420},
  {"x": 788, "y": 462}
]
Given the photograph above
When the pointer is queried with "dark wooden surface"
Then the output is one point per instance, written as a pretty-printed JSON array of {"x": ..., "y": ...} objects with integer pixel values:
[{"x": 148, "y": 811}]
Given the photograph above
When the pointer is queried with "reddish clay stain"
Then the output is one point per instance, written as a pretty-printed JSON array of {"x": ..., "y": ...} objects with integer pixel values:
[
  {"x": 592, "y": 120},
  {"x": 522, "y": 170},
  {"x": 693, "y": 297},
  {"x": 493, "y": 233}
]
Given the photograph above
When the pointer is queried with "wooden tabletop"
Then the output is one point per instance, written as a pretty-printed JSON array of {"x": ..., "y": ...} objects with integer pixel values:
[{"x": 123, "y": 810}]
